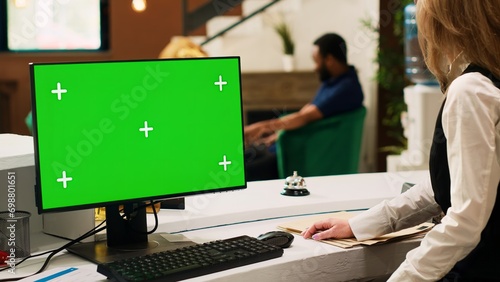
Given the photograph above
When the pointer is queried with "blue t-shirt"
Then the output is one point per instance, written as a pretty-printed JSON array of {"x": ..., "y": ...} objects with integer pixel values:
[
  {"x": 337, "y": 95},
  {"x": 340, "y": 94}
]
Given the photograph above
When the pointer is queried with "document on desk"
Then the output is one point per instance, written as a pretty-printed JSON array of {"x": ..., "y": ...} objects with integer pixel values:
[
  {"x": 67, "y": 274},
  {"x": 300, "y": 225}
]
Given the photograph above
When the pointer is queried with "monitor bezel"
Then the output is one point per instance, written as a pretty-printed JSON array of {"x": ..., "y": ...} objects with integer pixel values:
[{"x": 38, "y": 189}]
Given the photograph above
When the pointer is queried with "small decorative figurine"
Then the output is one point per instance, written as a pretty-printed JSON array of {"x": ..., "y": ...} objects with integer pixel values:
[{"x": 295, "y": 186}]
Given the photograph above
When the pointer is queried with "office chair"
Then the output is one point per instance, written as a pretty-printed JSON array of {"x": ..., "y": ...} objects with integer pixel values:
[{"x": 325, "y": 147}]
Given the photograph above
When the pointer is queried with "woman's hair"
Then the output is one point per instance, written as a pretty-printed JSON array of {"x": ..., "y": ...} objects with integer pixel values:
[{"x": 450, "y": 27}]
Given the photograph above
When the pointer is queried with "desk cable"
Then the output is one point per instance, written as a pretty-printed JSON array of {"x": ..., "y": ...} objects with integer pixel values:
[{"x": 89, "y": 233}]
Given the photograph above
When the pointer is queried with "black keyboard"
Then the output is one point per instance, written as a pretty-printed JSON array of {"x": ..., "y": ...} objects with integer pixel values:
[{"x": 191, "y": 261}]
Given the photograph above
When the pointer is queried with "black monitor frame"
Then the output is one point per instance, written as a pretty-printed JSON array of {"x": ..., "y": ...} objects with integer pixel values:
[{"x": 126, "y": 221}]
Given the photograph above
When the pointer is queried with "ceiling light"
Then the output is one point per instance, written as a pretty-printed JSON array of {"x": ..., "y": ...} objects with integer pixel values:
[{"x": 139, "y": 5}]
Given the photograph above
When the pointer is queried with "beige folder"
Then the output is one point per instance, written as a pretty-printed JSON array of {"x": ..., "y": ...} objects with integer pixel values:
[{"x": 300, "y": 225}]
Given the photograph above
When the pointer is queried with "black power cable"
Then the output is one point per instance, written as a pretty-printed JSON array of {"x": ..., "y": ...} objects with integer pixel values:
[{"x": 91, "y": 232}]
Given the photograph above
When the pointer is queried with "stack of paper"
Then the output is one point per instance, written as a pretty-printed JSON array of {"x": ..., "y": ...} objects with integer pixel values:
[{"x": 300, "y": 225}]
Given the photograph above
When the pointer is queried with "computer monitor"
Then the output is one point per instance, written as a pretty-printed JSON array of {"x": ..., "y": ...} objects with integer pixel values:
[{"x": 118, "y": 133}]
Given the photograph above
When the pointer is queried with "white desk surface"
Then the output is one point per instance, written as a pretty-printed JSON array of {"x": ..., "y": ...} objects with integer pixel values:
[
  {"x": 253, "y": 211},
  {"x": 260, "y": 208},
  {"x": 304, "y": 260},
  {"x": 262, "y": 200},
  {"x": 16, "y": 151}
]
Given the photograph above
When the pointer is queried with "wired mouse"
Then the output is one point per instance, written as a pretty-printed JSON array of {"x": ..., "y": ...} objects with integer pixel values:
[{"x": 277, "y": 238}]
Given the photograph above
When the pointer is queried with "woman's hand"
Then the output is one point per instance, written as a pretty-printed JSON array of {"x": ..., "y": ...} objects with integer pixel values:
[{"x": 329, "y": 228}]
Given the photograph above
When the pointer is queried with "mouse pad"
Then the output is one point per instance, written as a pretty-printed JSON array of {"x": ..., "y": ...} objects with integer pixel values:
[{"x": 302, "y": 224}]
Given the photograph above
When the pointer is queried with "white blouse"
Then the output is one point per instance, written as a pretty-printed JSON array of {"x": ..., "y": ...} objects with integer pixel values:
[{"x": 471, "y": 124}]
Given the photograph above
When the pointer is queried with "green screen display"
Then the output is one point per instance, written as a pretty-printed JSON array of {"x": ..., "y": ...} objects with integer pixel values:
[{"x": 112, "y": 132}]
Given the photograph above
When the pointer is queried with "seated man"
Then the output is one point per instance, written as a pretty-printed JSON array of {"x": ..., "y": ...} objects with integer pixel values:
[{"x": 340, "y": 91}]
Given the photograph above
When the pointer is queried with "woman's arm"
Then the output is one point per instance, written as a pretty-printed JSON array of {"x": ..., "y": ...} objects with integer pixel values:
[
  {"x": 413, "y": 207},
  {"x": 471, "y": 126},
  {"x": 406, "y": 210}
]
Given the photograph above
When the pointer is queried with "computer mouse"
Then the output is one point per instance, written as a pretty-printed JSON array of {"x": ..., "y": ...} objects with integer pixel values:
[{"x": 277, "y": 238}]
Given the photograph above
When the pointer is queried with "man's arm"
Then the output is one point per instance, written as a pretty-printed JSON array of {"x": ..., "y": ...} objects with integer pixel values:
[{"x": 307, "y": 114}]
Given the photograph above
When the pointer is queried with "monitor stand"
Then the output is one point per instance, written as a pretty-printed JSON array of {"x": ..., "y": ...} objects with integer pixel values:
[
  {"x": 126, "y": 237},
  {"x": 174, "y": 204}
]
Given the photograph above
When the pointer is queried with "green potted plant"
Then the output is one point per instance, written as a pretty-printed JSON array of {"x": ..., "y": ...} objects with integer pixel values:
[
  {"x": 285, "y": 34},
  {"x": 391, "y": 80}
]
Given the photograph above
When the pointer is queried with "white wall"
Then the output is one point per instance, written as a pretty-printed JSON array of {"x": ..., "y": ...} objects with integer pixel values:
[{"x": 260, "y": 48}]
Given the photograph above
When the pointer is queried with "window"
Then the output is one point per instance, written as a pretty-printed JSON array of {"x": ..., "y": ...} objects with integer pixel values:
[{"x": 43, "y": 25}]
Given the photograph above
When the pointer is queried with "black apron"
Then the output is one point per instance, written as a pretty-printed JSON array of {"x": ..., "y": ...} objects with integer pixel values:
[{"x": 483, "y": 263}]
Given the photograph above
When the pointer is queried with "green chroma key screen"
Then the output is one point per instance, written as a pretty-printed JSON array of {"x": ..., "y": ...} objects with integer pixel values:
[{"x": 122, "y": 131}]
